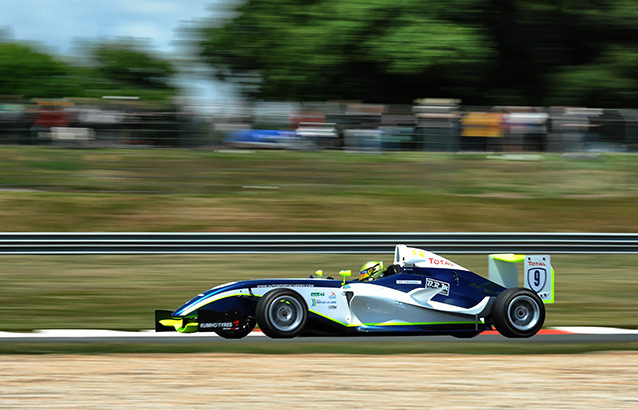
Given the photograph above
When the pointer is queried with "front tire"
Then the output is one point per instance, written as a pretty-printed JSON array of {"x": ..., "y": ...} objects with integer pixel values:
[
  {"x": 282, "y": 313},
  {"x": 518, "y": 313}
]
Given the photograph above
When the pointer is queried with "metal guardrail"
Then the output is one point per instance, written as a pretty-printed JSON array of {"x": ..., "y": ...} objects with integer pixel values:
[{"x": 327, "y": 243}]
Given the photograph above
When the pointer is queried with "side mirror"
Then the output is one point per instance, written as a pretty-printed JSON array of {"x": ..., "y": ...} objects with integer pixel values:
[{"x": 345, "y": 273}]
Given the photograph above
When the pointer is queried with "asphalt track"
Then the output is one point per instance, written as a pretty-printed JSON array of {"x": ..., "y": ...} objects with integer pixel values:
[{"x": 553, "y": 335}]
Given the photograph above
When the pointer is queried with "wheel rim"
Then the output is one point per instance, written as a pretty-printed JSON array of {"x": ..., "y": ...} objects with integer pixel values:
[
  {"x": 524, "y": 312},
  {"x": 285, "y": 313}
]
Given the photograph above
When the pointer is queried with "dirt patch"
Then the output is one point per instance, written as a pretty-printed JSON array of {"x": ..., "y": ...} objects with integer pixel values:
[{"x": 600, "y": 380}]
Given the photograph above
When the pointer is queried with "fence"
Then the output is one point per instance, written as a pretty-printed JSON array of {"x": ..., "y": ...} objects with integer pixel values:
[
  {"x": 326, "y": 243},
  {"x": 430, "y": 125}
]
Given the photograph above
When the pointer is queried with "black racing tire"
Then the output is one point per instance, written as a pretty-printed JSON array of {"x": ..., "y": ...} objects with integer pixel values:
[
  {"x": 245, "y": 326},
  {"x": 518, "y": 313},
  {"x": 282, "y": 314},
  {"x": 465, "y": 335}
]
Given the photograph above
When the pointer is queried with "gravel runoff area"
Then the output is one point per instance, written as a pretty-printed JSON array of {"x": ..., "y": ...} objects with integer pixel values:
[{"x": 595, "y": 380}]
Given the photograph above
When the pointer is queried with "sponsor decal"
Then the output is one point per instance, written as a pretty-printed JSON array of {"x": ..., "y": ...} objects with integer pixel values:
[
  {"x": 443, "y": 287},
  {"x": 332, "y": 307},
  {"x": 219, "y": 325},
  {"x": 536, "y": 279},
  {"x": 408, "y": 282},
  {"x": 317, "y": 294},
  {"x": 435, "y": 261},
  {"x": 332, "y": 295},
  {"x": 532, "y": 263},
  {"x": 288, "y": 285},
  {"x": 315, "y": 302}
]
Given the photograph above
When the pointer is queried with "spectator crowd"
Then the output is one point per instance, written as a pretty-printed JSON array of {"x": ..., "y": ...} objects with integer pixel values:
[{"x": 427, "y": 124}]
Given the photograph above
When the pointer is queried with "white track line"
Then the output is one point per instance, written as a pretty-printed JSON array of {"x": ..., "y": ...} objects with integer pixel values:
[
  {"x": 591, "y": 330},
  {"x": 80, "y": 333}
]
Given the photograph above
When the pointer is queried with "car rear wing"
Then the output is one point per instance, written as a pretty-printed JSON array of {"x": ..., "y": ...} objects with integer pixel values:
[{"x": 538, "y": 274}]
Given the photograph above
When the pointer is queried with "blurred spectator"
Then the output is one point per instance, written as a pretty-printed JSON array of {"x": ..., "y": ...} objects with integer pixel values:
[
  {"x": 428, "y": 125},
  {"x": 49, "y": 114},
  {"x": 525, "y": 129},
  {"x": 478, "y": 128},
  {"x": 362, "y": 131},
  {"x": 437, "y": 127},
  {"x": 13, "y": 122}
]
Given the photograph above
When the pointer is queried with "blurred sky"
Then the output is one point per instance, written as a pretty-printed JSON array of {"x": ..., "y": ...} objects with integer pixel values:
[{"x": 57, "y": 23}]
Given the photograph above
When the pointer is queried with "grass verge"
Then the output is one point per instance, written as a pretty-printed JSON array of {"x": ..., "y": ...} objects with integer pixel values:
[{"x": 121, "y": 292}]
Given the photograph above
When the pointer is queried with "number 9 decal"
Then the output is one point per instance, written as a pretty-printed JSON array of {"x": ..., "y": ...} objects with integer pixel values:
[{"x": 536, "y": 278}]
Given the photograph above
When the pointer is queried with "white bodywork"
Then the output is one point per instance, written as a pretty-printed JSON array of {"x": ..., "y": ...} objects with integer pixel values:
[{"x": 404, "y": 255}]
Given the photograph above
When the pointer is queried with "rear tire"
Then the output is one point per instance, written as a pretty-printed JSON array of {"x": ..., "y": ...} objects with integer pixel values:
[
  {"x": 518, "y": 313},
  {"x": 282, "y": 313}
]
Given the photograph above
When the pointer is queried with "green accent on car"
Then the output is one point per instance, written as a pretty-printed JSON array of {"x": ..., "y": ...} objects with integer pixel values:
[
  {"x": 178, "y": 324},
  {"x": 420, "y": 323},
  {"x": 470, "y": 322},
  {"x": 508, "y": 257},
  {"x": 551, "y": 300},
  {"x": 345, "y": 273},
  {"x": 171, "y": 322},
  {"x": 189, "y": 328}
]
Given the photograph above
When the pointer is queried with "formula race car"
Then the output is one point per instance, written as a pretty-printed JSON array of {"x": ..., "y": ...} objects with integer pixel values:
[{"x": 420, "y": 293}]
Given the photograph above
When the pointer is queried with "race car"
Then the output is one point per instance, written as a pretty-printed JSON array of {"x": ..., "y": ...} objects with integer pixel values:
[{"x": 420, "y": 293}]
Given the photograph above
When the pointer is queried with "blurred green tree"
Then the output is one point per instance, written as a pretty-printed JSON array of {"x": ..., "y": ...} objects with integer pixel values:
[
  {"x": 27, "y": 72},
  {"x": 482, "y": 51},
  {"x": 125, "y": 62},
  {"x": 122, "y": 67}
]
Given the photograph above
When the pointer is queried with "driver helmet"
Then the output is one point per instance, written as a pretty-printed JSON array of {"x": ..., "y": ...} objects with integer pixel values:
[{"x": 371, "y": 270}]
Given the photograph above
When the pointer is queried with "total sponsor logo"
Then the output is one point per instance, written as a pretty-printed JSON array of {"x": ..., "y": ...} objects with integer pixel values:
[
  {"x": 444, "y": 262},
  {"x": 532, "y": 263},
  {"x": 433, "y": 261}
]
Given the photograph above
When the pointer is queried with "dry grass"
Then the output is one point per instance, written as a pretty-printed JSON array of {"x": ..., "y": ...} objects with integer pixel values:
[
  {"x": 121, "y": 292},
  {"x": 174, "y": 190}
]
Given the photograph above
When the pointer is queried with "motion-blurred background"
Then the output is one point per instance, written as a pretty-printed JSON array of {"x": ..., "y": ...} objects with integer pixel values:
[
  {"x": 326, "y": 115},
  {"x": 498, "y": 75},
  {"x": 467, "y": 115}
]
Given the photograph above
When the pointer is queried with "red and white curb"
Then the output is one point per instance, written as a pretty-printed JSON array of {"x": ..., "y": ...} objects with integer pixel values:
[
  {"x": 82, "y": 333},
  {"x": 590, "y": 330}
]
